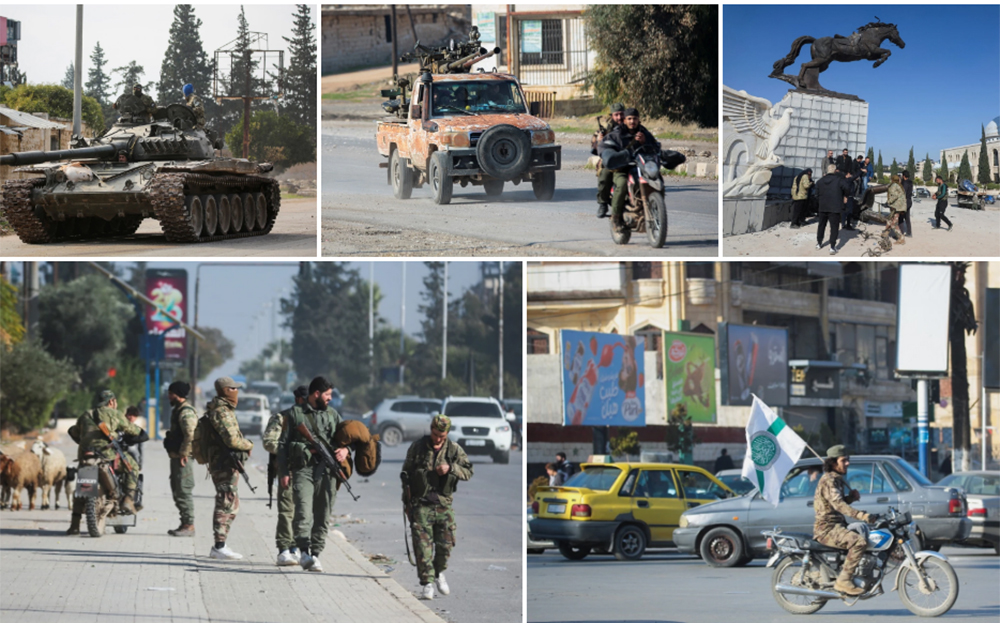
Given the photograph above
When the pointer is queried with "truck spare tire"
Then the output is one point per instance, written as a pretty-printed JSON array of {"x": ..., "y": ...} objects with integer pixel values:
[{"x": 504, "y": 152}]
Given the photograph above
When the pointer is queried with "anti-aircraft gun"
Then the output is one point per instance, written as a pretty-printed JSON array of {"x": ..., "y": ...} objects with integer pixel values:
[{"x": 163, "y": 168}]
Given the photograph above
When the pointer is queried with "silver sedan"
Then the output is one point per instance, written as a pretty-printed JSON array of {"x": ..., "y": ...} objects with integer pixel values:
[{"x": 982, "y": 488}]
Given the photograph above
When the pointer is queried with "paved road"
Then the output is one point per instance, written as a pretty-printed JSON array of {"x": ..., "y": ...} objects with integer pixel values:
[
  {"x": 293, "y": 235},
  {"x": 355, "y": 192},
  {"x": 668, "y": 587}
]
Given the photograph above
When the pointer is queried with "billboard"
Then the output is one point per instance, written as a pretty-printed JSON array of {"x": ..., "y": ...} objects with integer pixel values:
[
  {"x": 689, "y": 370},
  {"x": 603, "y": 379},
  {"x": 922, "y": 320},
  {"x": 753, "y": 360},
  {"x": 991, "y": 337},
  {"x": 167, "y": 287}
]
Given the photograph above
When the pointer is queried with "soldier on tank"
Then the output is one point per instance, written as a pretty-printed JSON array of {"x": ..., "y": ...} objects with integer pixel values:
[
  {"x": 313, "y": 486},
  {"x": 831, "y": 504},
  {"x": 196, "y": 105},
  {"x": 434, "y": 464},
  {"x": 288, "y": 553},
  {"x": 222, "y": 416},
  {"x": 88, "y": 434},
  {"x": 148, "y": 106},
  {"x": 183, "y": 419}
]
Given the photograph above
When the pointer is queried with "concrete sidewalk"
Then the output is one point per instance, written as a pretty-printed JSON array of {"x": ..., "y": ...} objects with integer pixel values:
[{"x": 146, "y": 574}]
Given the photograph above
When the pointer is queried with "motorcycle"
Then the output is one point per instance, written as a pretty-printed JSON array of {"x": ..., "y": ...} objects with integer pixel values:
[
  {"x": 805, "y": 570},
  {"x": 645, "y": 206},
  {"x": 99, "y": 486}
]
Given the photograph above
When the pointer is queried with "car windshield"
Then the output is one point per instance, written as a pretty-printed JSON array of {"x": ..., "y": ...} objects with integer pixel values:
[
  {"x": 737, "y": 483},
  {"x": 475, "y": 98},
  {"x": 248, "y": 404},
  {"x": 973, "y": 484},
  {"x": 472, "y": 409},
  {"x": 596, "y": 478},
  {"x": 913, "y": 473}
]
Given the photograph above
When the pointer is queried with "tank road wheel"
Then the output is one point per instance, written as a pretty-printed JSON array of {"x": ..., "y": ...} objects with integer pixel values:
[
  {"x": 441, "y": 183},
  {"x": 402, "y": 177},
  {"x": 260, "y": 205},
  {"x": 225, "y": 216},
  {"x": 195, "y": 213},
  {"x": 544, "y": 185},
  {"x": 249, "y": 212},
  {"x": 211, "y": 214},
  {"x": 236, "y": 211},
  {"x": 493, "y": 188}
]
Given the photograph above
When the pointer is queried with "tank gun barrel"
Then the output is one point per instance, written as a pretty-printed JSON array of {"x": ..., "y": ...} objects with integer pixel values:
[
  {"x": 469, "y": 64},
  {"x": 38, "y": 157}
]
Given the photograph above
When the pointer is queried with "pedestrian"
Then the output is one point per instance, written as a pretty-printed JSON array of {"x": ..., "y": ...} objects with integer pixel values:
[
  {"x": 830, "y": 159},
  {"x": 897, "y": 203},
  {"x": 434, "y": 464},
  {"x": 800, "y": 197},
  {"x": 177, "y": 441},
  {"x": 844, "y": 163},
  {"x": 723, "y": 462},
  {"x": 555, "y": 476},
  {"x": 563, "y": 466},
  {"x": 831, "y": 191},
  {"x": 869, "y": 171},
  {"x": 942, "y": 203},
  {"x": 284, "y": 538},
  {"x": 313, "y": 484},
  {"x": 225, "y": 476},
  {"x": 848, "y": 212},
  {"x": 605, "y": 176},
  {"x": 132, "y": 446},
  {"x": 907, "y": 184}
]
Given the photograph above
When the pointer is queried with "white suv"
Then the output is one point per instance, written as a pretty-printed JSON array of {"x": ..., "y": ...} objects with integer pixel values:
[
  {"x": 252, "y": 412},
  {"x": 480, "y": 426}
]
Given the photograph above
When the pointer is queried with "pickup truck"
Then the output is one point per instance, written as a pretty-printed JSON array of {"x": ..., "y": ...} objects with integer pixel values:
[
  {"x": 470, "y": 128},
  {"x": 969, "y": 196}
]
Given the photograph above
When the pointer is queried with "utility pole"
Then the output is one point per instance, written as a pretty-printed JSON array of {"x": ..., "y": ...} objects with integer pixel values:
[
  {"x": 444, "y": 323},
  {"x": 402, "y": 326},
  {"x": 501, "y": 332},
  {"x": 371, "y": 322},
  {"x": 395, "y": 45},
  {"x": 78, "y": 75}
]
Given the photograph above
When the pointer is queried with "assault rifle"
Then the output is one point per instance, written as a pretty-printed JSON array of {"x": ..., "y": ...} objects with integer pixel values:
[
  {"x": 324, "y": 453},
  {"x": 114, "y": 444},
  {"x": 272, "y": 473},
  {"x": 238, "y": 464}
]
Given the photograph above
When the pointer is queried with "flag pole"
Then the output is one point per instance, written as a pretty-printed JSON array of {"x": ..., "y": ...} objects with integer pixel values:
[{"x": 814, "y": 452}]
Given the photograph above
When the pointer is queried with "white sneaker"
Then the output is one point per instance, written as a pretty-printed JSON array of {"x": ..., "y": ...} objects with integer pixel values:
[
  {"x": 315, "y": 566},
  {"x": 306, "y": 561},
  {"x": 225, "y": 554},
  {"x": 296, "y": 555},
  {"x": 287, "y": 559},
  {"x": 428, "y": 592},
  {"x": 442, "y": 584},
  {"x": 819, "y": 246}
]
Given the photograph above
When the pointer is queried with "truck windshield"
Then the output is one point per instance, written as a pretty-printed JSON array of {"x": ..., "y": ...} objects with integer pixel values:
[{"x": 486, "y": 96}]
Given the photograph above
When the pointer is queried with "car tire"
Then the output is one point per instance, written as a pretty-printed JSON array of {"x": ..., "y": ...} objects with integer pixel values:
[
  {"x": 722, "y": 547},
  {"x": 573, "y": 552},
  {"x": 402, "y": 177},
  {"x": 630, "y": 543},
  {"x": 391, "y": 435},
  {"x": 504, "y": 152},
  {"x": 442, "y": 184},
  {"x": 543, "y": 184},
  {"x": 502, "y": 457}
]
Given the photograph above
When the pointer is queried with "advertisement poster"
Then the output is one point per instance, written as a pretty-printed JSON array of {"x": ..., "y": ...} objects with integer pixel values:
[
  {"x": 753, "y": 360},
  {"x": 603, "y": 379},
  {"x": 168, "y": 289},
  {"x": 531, "y": 37},
  {"x": 487, "y": 23},
  {"x": 689, "y": 370}
]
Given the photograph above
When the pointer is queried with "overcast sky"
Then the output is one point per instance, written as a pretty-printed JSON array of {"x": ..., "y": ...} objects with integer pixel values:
[{"x": 130, "y": 32}]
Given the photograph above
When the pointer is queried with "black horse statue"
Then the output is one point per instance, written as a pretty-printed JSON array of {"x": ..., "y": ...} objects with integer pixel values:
[{"x": 861, "y": 45}]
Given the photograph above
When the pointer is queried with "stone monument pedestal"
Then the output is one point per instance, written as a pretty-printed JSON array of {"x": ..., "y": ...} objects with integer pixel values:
[{"x": 747, "y": 215}]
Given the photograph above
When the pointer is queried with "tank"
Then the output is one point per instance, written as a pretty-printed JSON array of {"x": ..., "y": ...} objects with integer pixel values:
[{"x": 146, "y": 166}]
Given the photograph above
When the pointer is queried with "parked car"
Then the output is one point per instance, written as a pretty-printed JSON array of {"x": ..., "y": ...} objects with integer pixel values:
[
  {"x": 733, "y": 478},
  {"x": 287, "y": 400},
  {"x": 480, "y": 426},
  {"x": 270, "y": 389},
  {"x": 515, "y": 406},
  {"x": 403, "y": 418},
  {"x": 623, "y": 508},
  {"x": 982, "y": 489},
  {"x": 921, "y": 193},
  {"x": 728, "y": 533},
  {"x": 535, "y": 546},
  {"x": 252, "y": 412}
]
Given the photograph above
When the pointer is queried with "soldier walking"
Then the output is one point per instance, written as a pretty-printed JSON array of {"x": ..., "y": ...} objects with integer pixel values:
[
  {"x": 183, "y": 419},
  {"x": 434, "y": 464},
  {"x": 288, "y": 553},
  {"x": 313, "y": 486},
  {"x": 225, "y": 476}
]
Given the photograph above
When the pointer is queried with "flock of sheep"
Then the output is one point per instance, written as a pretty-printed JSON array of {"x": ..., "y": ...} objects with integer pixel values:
[{"x": 34, "y": 465}]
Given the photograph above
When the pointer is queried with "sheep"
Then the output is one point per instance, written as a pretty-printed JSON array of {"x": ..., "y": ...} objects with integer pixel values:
[
  {"x": 21, "y": 472},
  {"x": 53, "y": 472},
  {"x": 12, "y": 451}
]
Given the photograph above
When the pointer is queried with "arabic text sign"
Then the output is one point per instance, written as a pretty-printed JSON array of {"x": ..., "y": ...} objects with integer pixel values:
[
  {"x": 603, "y": 379},
  {"x": 487, "y": 23},
  {"x": 689, "y": 370},
  {"x": 815, "y": 382},
  {"x": 531, "y": 37},
  {"x": 168, "y": 289}
]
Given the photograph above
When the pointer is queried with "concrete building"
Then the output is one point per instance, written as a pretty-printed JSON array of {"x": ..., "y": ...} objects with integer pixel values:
[
  {"x": 21, "y": 131},
  {"x": 839, "y": 316},
  {"x": 954, "y": 154}
]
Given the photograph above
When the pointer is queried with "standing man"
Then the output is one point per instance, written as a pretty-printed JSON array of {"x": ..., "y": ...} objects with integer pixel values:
[
  {"x": 563, "y": 466},
  {"x": 605, "y": 176},
  {"x": 869, "y": 172},
  {"x": 908, "y": 189},
  {"x": 723, "y": 462},
  {"x": 196, "y": 105},
  {"x": 183, "y": 419},
  {"x": 800, "y": 197},
  {"x": 942, "y": 203},
  {"x": 226, "y": 478},
  {"x": 313, "y": 486},
  {"x": 146, "y": 102},
  {"x": 288, "y": 554},
  {"x": 844, "y": 163},
  {"x": 831, "y": 191},
  {"x": 434, "y": 464},
  {"x": 830, "y": 159}
]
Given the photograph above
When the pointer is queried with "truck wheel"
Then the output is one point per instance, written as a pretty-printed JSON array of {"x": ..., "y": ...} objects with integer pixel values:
[
  {"x": 493, "y": 188},
  {"x": 402, "y": 178},
  {"x": 544, "y": 185},
  {"x": 504, "y": 152},
  {"x": 441, "y": 183}
]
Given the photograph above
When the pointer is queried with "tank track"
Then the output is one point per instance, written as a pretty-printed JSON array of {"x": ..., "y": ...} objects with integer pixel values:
[
  {"x": 168, "y": 191},
  {"x": 37, "y": 228}
]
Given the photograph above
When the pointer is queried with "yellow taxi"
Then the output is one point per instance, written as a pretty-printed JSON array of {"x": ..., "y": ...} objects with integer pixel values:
[{"x": 621, "y": 508}]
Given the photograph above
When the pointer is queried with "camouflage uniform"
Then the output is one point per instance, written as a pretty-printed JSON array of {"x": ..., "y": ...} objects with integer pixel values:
[
  {"x": 222, "y": 416},
  {"x": 313, "y": 486},
  {"x": 830, "y": 528},
  {"x": 433, "y": 520},
  {"x": 199, "y": 110},
  {"x": 183, "y": 420},
  {"x": 283, "y": 536},
  {"x": 149, "y": 106}
]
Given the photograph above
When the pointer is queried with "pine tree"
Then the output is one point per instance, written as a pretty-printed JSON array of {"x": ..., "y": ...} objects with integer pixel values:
[
  {"x": 879, "y": 168},
  {"x": 965, "y": 168},
  {"x": 894, "y": 169},
  {"x": 70, "y": 77},
  {"x": 98, "y": 85},
  {"x": 185, "y": 62},
  {"x": 300, "y": 78},
  {"x": 871, "y": 154},
  {"x": 984, "y": 161},
  {"x": 129, "y": 76},
  {"x": 911, "y": 164},
  {"x": 928, "y": 169},
  {"x": 944, "y": 167},
  {"x": 235, "y": 82}
]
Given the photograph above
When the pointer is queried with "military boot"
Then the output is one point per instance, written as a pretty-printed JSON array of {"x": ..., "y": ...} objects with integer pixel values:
[
  {"x": 127, "y": 505},
  {"x": 185, "y": 529},
  {"x": 845, "y": 586},
  {"x": 74, "y": 526}
]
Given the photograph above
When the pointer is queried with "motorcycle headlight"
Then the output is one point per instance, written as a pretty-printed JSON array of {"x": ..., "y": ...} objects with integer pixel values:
[{"x": 652, "y": 170}]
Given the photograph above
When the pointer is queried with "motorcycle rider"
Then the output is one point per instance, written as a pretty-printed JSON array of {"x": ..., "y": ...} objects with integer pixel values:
[
  {"x": 831, "y": 504},
  {"x": 604, "y": 177},
  {"x": 625, "y": 137}
]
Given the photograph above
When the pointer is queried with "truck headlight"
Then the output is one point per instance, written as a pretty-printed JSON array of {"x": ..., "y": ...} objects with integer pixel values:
[
  {"x": 460, "y": 139},
  {"x": 543, "y": 137}
]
